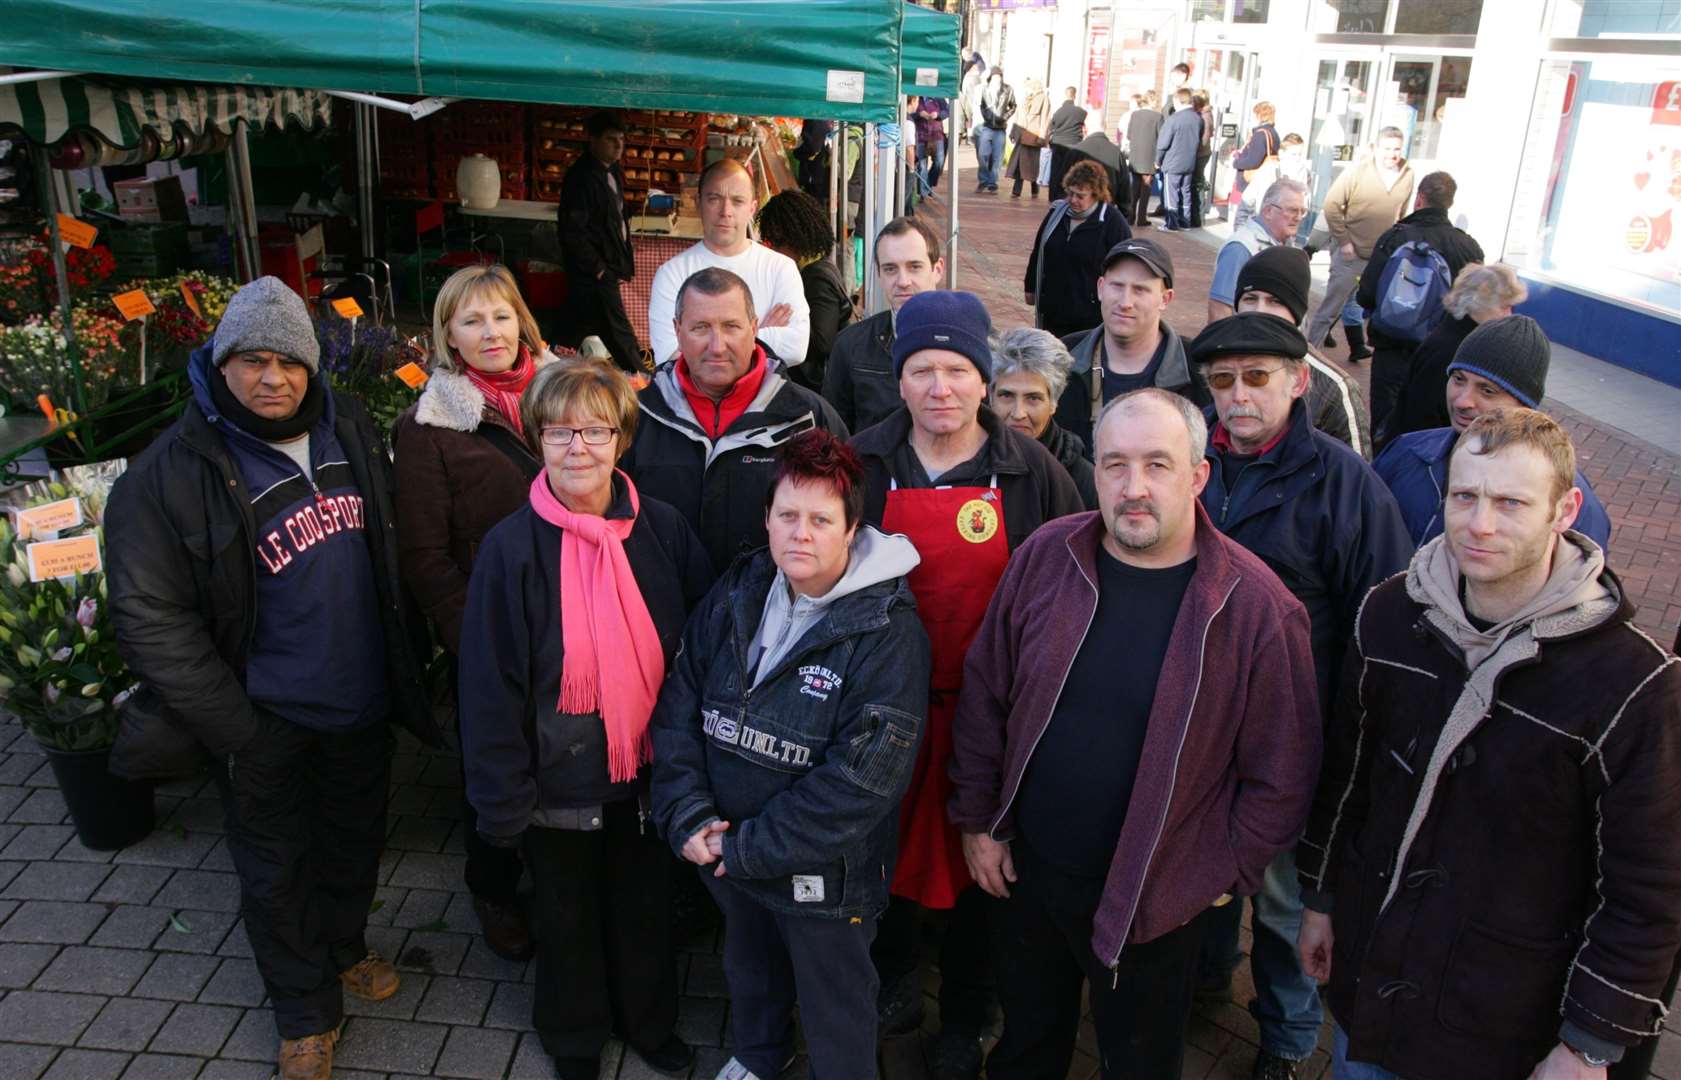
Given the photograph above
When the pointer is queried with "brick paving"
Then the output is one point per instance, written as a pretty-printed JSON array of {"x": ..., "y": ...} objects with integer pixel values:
[{"x": 134, "y": 964}]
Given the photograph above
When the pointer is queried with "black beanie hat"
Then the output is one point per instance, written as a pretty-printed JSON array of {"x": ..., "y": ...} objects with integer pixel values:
[
  {"x": 1281, "y": 271},
  {"x": 1513, "y": 353}
]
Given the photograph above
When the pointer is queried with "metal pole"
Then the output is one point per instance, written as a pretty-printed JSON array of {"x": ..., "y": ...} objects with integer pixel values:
[
  {"x": 952, "y": 188},
  {"x": 901, "y": 159},
  {"x": 868, "y": 163},
  {"x": 244, "y": 203},
  {"x": 837, "y": 204},
  {"x": 49, "y": 202},
  {"x": 367, "y": 172}
]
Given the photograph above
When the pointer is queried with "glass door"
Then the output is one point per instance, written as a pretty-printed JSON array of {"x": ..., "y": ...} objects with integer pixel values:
[
  {"x": 1421, "y": 95},
  {"x": 1233, "y": 98},
  {"x": 1343, "y": 120}
]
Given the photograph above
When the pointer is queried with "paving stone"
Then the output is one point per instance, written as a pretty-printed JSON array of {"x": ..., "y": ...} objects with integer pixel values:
[
  {"x": 76, "y": 851},
  {"x": 195, "y": 1029},
  {"x": 388, "y": 862},
  {"x": 53, "y": 921},
  {"x": 36, "y": 842},
  {"x": 88, "y": 970},
  {"x": 442, "y": 772},
  {"x": 408, "y": 799},
  {"x": 706, "y": 976},
  {"x": 187, "y": 786},
  {"x": 511, "y": 1007},
  {"x": 6, "y": 909},
  {"x": 450, "y": 1000},
  {"x": 166, "y": 848},
  {"x": 163, "y": 1067},
  {"x": 399, "y": 1006},
  {"x": 700, "y": 1021},
  {"x": 219, "y": 859},
  {"x": 41, "y": 1017},
  {"x": 435, "y": 952},
  {"x": 19, "y": 964},
  {"x": 445, "y": 803},
  {"x": 19, "y": 1061},
  {"x": 531, "y": 1062},
  {"x": 476, "y": 1053},
  {"x": 45, "y": 806},
  {"x": 236, "y": 982},
  {"x": 200, "y": 890},
  {"x": 238, "y": 1070},
  {"x": 481, "y": 963},
  {"x": 198, "y": 815},
  {"x": 390, "y": 1045},
  {"x": 417, "y": 833},
  {"x": 56, "y": 881},
  {"x": 130, "y": 926},
  {"x": 204, "y": 931},
  {"x": 419, "y": 870},
  {"x": 87, "y": 1065},
  {"x": 254, "y": 1038},
  {"x": 43, "y": 776},
  {"x": 10, "y": 870},
  {"x": 7, "y": 832},
  {"x": 176, "y": 976},
  {"x": 131, "y": 884},
  {"x": 424, "y": 907},
  {"x": 386, "y": 903},
  {"x": 456, "y": 845},
  {"x": 237, "y": 943},
  {"x": 125, "y": 1024}
]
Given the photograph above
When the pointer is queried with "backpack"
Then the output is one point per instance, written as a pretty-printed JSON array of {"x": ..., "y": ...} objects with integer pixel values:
[{"x": 1410, "y": 292}]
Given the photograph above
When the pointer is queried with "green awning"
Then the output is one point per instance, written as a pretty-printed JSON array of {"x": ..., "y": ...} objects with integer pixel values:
[
  {"x": 930, "y": 60},
  {"x": 835, "y": 59},
  {"x": 47, "y": 110}
]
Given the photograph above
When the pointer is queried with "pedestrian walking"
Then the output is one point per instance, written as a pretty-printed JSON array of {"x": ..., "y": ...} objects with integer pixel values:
[
  {"x": 1068, "y": 127},
  {"x": 1143, "y": 130},
  {"x": 995, "y": 107},
  {"x": 1176, "y": 160},
  {"x": 1030, "y": 133},
  {"x": 1362, "y": 204},
  {"x": 1068, "y": 252}
]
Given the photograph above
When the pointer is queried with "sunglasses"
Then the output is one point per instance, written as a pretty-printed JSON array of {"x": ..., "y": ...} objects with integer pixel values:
[{"x": 1256, "y": 377}]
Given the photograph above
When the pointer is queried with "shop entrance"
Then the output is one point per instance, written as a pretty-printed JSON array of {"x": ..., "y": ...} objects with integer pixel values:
[
  {"x": 1421, "y": 96},
  {"x": 1343, "y": 116}
]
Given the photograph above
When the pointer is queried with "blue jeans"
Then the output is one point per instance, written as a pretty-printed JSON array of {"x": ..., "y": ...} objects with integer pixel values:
[
  {"x": 989, "y": 156},
  {"x": 930, "y": 163},
  {"x": 1286, "y": 1001},
  {"x": 1176, "y": 189},
  {"x": 1344, "y": 1069},
  {"x": 1352, "y": 313}
]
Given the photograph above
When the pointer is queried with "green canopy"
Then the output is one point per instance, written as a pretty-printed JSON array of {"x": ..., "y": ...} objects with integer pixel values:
[
  {"x": 930, "y": 61},
  {"x": 835, "y": 59},
  {"x": 118, "y": 112}
]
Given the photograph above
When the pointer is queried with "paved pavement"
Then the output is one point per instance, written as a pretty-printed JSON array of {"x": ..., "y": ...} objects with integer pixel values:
[{"x": 135, "y": 964}]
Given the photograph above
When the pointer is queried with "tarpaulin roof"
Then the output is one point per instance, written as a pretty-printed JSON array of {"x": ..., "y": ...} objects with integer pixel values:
[
  {"x": 930, "y": 61},
  {"x": 48, "y": 110},
  {"x": 835, "y": 59}
]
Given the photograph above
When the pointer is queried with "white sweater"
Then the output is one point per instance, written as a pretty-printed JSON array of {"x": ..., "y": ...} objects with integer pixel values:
[{"x": 772, "y": 278}]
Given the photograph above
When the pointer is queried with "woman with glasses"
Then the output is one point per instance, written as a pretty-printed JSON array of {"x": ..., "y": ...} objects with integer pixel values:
[
  {"x": 1067, "y": 259},
  {"x": 574, "y": 612}
]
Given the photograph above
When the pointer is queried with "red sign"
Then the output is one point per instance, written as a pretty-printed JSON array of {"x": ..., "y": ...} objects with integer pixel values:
[
  {"x": 1666, "y": 104},
  {"x": 1097, "y": 60}
]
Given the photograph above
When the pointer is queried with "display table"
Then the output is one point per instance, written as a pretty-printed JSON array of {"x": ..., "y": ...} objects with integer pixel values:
[{"x": 515, "y": 210}]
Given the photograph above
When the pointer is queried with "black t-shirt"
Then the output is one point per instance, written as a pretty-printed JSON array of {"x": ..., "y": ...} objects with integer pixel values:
[
  {"x": 1074, "y": 796},
  {"x": 1115, "y": 385}
]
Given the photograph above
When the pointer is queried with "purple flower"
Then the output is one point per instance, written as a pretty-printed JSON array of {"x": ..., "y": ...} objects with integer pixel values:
[{"x": 87, "y": 612}]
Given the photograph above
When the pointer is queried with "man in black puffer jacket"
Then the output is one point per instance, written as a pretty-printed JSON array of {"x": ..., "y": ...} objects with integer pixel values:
[{"x": 255, "y": 594}]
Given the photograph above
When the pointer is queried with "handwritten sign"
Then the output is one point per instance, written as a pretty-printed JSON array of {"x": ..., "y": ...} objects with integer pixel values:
[
  {"x": 64, "y": 558},
  {"x": 134, "y": 304},
  {"x": 76, "y": 233},
  {"x": 48, "y": 518},
  {"x": 412, "y": 374},
  {"x": 348, "y": 308},
  {"x": 191, "y": 298}
]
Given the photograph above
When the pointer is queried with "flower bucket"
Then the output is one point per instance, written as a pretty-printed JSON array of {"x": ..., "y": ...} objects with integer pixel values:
[{"x": 108, "y": 811}]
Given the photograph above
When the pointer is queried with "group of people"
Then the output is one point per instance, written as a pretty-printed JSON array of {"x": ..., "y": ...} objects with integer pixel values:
[{"x": 1079, "y": 634}]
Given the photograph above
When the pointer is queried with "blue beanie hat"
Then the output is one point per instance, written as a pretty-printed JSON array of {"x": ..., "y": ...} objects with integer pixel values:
[{"x": 955, "y": 321}]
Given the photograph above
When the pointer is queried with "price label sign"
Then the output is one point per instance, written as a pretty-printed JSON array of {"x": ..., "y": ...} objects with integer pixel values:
[
  {"x": 134, "y": 304},
  {"x": 348, "y": 308},
  {"x": 76, "y": 233},
  {"x": 191, "y": 298},
  {"x": 412, "y": 374},
  {"x": 48, "y": 519},
  {"x": 64, "y": 558}
]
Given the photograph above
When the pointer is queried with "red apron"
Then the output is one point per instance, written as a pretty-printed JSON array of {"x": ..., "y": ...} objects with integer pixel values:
[{"x": 959, "y": 532}]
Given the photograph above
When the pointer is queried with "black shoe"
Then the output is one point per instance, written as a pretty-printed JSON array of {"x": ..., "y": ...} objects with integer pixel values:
[
  {"x": 1268, "y": 1067},
  {"x": 1330, "y": 339},
  {"x": 671, "y": 1058},
  {"x": 505, "y": 929},
  {"x": 899, "y": 1007},
  {"x": 956, "y": 1056},
  {"x": 1357, "y": 349},
  {"x": 579, "y": 1068}
]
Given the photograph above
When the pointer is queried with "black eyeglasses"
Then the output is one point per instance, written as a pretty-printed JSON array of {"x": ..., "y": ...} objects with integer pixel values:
[
  {"x": 593, "y": 436},
  {"x": 1256, "y": 377}
]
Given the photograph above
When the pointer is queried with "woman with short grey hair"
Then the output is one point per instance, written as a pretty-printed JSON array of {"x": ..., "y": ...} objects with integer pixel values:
[
  {"x": 1481, "y": 293},
  {"x": 1029, "y": 372}
]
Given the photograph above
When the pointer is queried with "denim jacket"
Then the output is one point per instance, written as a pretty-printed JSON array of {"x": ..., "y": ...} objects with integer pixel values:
[{"x": 808, "y": 763}]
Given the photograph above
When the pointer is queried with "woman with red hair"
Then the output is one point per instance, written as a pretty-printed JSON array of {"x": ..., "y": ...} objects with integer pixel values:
[{"x": 783, "y": 742}]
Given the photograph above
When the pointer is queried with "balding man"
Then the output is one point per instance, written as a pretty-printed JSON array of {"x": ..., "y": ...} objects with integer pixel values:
[{"x": 728, "y": 205}]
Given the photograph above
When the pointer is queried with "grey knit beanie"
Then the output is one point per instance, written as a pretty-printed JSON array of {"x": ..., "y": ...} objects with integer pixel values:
[
  {"x": 267, "y": 316},
  {"x": 1511, "y": 352}
]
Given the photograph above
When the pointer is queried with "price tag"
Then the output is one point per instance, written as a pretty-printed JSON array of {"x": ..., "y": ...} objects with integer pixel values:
[
  {"x": 76, "y": 233},
  {"x": 191, "y": 298},
  {"x": 45, "y": 404},
  {"x": 48, "y": 518},
  {"x": 412, "y": 374},
  {"x": 64, "y": 558},
  {"x": 348, "y": 308},
  {"x": 134, "y": 304}
]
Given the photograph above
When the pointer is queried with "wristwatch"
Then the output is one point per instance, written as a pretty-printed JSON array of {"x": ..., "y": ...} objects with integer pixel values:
[{"x": 1590, "y": 1060}]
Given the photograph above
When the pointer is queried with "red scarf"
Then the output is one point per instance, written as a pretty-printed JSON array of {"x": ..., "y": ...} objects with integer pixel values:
[
  {"x": 604, "y": 621},
  {"x": 1221, "y": 440},
  {"x": 503, "y": 388},
  {"x": 715, "y": 418}
]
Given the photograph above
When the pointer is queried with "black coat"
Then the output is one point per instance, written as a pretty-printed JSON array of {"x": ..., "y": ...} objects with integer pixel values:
[
  {"x": 1070, "y": 451},
  {"x": 183, "y": 584},
  {"x": 1082, "y": 401},
  {"x": 1430, "y": 225},
  {"x": 1064, "y": 267},
  {"x": 1423, "y": 403},
  {"x": 831, "y": 311},
  {"x": 591, "y": 222},
  {"x": 859, "y": 381},
  {"x": 1068, "y": 125}
]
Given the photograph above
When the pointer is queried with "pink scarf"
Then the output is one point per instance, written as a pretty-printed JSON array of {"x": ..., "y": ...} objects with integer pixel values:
[
  {"x": 604, "y": 620},
  {"x": 503, "y": 388}
]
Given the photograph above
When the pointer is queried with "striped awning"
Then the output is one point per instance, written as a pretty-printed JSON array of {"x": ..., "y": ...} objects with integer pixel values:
[{"x": 118, "y": 112}]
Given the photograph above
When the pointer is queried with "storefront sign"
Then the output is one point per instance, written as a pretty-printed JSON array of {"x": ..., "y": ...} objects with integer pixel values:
[{"x": 64, "y": 558}]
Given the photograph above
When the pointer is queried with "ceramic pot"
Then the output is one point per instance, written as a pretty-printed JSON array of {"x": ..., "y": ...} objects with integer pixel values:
[{"x": 478, "y": 182}]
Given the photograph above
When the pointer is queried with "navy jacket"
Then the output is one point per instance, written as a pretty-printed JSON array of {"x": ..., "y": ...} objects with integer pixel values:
[
  {"x": 1177, "y": 145},
  {"x": 1415, "y": 467},
  {"x": 808, "y": 767},
  {"x": 1313, "y": 511}
]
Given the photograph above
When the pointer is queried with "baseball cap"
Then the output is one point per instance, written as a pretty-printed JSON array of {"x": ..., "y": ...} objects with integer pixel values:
[{"x": 1146, "y": 251}]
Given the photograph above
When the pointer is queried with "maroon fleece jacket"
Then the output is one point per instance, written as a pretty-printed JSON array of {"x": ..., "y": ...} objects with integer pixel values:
[{"x": 1232, "y": 750}]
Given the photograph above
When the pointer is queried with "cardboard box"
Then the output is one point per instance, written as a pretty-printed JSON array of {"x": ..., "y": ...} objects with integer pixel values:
[{"x": 151, "y": 199}]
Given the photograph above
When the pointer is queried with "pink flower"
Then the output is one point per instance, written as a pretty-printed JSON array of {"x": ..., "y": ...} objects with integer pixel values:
[{"x": 87, "y": 612}]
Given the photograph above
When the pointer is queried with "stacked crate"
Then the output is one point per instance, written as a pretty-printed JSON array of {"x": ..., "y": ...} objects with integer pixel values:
[
  {"x": 495, "y": 129},
  {"x": 557, "y": 140},
  {"x": 662, "y": 150},
  {"x": 405, "y": 159}
]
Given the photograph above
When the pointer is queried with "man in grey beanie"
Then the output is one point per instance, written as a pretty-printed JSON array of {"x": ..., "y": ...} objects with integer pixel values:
[
  {"x": 1502, "y": 364},
  {"x": 255, "y": 594}
]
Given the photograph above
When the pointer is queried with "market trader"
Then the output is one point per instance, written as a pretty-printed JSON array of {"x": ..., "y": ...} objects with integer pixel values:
[
  {"x": 728, "y": 206},
  {"x": 967, "y": 490},
  {"x": 595, "y": 245}
]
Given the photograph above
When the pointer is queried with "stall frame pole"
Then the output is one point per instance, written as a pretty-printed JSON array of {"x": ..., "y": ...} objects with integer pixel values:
[
  {"x": 872, "y": 299},
  {"x": 49, "y": 202},
  {"x": 242, "y": 201},
  {"x": 367, "y": 173},
  {"x": 837, "y": 205},
  {"x": 952, "y": 189}
]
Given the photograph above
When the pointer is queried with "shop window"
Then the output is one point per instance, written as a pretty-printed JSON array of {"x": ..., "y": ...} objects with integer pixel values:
[
  {"x": 1614, "y": 18},
  {"x": 1599, "y": 194},
  {"x": 1236, "y": 11},
  {"x": 1400, "y": 16}
]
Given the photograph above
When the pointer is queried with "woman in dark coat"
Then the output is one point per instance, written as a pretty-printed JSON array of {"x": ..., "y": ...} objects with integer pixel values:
[
  {"x": 797, "y": 225},
  {"x": 1067, "y": 259}
]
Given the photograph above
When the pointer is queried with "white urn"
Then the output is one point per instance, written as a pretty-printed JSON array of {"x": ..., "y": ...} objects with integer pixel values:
[{"x": 478, "y": 182}]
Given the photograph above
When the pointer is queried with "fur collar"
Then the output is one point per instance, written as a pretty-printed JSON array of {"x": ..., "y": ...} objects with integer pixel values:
[{"x": 451, "y": 401}]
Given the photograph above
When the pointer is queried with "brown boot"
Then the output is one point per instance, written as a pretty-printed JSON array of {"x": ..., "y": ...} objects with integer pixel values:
[
  {"x": 373, "y": 978},
  {"x": 505, "y": 929},
  {"x": 308, "y": 1058}
]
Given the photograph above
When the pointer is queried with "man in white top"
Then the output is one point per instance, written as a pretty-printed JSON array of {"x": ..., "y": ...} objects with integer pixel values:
[{"x": 727, "y": 206}]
